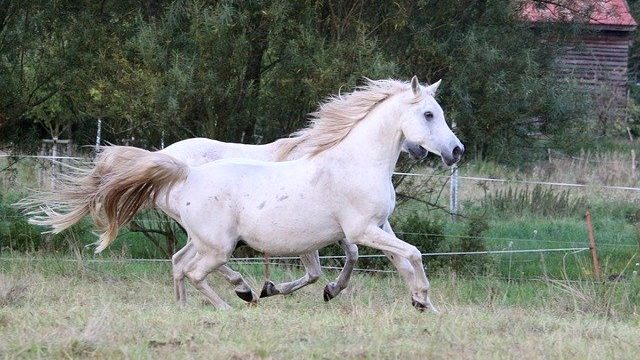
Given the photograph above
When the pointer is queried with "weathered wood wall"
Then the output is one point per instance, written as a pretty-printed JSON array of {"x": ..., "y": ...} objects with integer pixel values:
[{"x": 599, "y": 62}]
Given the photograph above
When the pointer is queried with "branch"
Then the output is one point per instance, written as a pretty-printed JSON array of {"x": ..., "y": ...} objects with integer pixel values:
[
  {"x": 430, "y": 204},
  {"x": 5, "y": 24},
  {"x": 135, "y": 227}
]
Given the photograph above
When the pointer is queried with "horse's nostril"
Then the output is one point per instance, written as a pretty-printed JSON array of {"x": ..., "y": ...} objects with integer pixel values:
[{"x": 457, "y": 152}]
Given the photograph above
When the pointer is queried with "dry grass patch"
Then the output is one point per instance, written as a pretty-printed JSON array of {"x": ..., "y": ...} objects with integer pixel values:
[
  {"x": 133, "y": 315},
  {"x": 10, "y": 290}
]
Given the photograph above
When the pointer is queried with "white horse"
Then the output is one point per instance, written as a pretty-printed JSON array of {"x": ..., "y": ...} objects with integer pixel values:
[
  {"x": 80, "y": 195},
  {"x": 342, "y": 190},
  {"x": 198, "y": 151}
]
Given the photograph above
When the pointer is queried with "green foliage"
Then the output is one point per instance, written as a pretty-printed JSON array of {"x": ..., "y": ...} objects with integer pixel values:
[
  {"x": 15, "y": 232},
  {"x": 427, "y": 233},
  {"x": 424, "y": 232},
  {"x": 161, "y": 71},
  {"x": 540, "y": 200},
  {"x": 471, "y": 240}
]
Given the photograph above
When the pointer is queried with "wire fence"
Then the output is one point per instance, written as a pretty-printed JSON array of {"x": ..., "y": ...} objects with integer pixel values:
[
  {"x": 55, "y": 159},
  {"x": 568, "y": 246},
  {"x": 286, "y": 260}
]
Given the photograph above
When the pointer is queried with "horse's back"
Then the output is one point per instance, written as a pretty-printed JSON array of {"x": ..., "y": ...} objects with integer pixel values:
[{"x": 198, "y": 151}]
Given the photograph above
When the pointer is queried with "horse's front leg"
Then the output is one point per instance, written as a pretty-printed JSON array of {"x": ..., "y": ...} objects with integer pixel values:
[
  {"x": 351, "y": 251},
  {"x": 311, "y": 262},
  {"x": 377, "y": 238},
  {"x": 401, "y": 264}
]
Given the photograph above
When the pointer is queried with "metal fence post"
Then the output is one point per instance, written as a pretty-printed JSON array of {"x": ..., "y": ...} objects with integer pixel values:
[
  {"x": 98, "y": 134},
  {"x": 453, "y": 193}
]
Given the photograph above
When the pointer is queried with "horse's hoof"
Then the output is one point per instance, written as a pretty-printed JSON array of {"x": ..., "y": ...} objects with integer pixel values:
[
  {"x": 326, "y": 294},
  {"x": 247, "y": 296},
  {"x": 268, "y": 289},
  {"x": 419, "y": 305}
]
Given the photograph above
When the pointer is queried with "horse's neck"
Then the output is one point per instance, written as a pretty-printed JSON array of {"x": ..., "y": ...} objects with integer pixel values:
[{"x": 374, "y": 142}]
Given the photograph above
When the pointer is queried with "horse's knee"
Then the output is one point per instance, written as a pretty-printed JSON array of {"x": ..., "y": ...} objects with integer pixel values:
[
  {"x": 414, "y": 255},
  {"x": 197, "y": 276}
]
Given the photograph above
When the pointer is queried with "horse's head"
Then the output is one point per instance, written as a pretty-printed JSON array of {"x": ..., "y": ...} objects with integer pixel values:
[{"x": 423, "y": 123}]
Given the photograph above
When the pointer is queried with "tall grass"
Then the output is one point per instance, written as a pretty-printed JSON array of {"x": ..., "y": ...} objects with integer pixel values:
[
  {"x": 587, "y": 167},
  {"x": 539, "y": 200}
]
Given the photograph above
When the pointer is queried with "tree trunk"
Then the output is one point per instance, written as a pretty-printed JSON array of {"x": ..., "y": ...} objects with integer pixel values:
[{"x": 258, "y": 42}]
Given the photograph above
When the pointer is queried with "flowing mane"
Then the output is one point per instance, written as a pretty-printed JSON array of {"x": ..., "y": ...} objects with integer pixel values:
[{"x": 337, "y": 115}]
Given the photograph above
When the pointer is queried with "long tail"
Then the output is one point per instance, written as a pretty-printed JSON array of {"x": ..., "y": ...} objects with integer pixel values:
[{"x": 123, "y": 180}]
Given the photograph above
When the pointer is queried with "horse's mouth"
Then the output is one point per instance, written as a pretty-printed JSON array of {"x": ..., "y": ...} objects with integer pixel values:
[{"x": 417, "y": 152}]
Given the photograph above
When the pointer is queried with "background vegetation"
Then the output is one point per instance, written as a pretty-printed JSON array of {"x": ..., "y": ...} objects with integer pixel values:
[{"x": 159, "y": 71}]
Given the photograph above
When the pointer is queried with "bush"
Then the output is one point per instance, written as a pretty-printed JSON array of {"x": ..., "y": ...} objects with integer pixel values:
[
  {"x": 15, "y": 232},
  {"x": 427, "y": 233},
  {"x": 470, "y": 240}
]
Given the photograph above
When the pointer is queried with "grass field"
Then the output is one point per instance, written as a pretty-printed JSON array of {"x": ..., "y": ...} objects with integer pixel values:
[
  {"x": 520, "y": 306},
  {"x": 53, "y": 308}
]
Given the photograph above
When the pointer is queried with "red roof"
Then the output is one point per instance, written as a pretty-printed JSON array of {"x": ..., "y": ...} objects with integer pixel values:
[{"x": 613, "y": 13}]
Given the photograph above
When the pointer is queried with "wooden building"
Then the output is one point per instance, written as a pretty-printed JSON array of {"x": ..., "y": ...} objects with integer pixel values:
[{"x": 599, "y": 59}]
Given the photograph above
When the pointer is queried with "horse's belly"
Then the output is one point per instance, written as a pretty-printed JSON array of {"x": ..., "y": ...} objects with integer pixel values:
[{"x": 291, "y": 236}]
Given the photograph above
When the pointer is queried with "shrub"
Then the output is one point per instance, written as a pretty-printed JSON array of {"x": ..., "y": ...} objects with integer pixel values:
[
  {"x": 427, "y": 233},
  {"x": 15, "y": 232},
  {"x": 471, "y": 240}
]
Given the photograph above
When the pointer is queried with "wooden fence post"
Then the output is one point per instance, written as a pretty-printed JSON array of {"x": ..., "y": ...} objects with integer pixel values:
[{"x": 592, "y": 246}]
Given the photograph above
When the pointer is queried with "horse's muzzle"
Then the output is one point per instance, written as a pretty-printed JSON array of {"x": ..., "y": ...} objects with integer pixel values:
[{"x": 454, "y": 156}]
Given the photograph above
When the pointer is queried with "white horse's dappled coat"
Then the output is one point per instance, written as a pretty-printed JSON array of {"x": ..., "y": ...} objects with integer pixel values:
[
  {"x": 300, "y": 206},
  {"x": 343, "y": 191},
  {"x": 81, "y": 193}
]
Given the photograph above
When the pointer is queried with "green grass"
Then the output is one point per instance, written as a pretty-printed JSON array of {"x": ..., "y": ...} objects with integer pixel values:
[{"x": 60, "y": 309}]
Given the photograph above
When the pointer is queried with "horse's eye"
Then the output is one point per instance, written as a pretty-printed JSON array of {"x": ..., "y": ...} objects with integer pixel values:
[{"x": 428, "y": 115}]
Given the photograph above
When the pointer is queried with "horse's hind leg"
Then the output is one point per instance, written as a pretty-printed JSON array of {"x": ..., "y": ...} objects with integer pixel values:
[
  {"x": 311, "y": 262},
  {"x": 198, "y": 269},
  {"x": 334, "y": 288},
  {"x": 243, "y": 290},
  {"x": 179, "y": 262}
]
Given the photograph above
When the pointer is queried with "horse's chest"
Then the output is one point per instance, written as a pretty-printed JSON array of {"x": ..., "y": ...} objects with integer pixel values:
[{"x": 379, "y": 197}]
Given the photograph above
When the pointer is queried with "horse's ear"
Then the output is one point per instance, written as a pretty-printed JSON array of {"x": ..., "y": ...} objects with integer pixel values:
[
  {"x": 431, "y": 89},
  {"x": 415, "y": 85}
]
